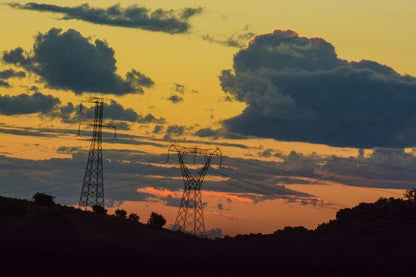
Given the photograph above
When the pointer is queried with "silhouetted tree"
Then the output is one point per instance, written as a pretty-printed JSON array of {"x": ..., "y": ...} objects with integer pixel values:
[
  {"x": 410, "y": 194},
  {"x": 121, "y": 213},
  {"x": 156, "y": 220},
  {"x": 99, "y": 209},
  {"x": 134, "y": 217},
  {"x": 43, "y": 199}
]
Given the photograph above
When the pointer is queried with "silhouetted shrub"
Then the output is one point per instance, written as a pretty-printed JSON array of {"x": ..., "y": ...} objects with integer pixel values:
[
  {"x": 156, "y": 220},
  {"x": 43, "y": 199},
  {"x": 134, "y": 217},
  {"x": 121, "y": 213},
  {"x": 99, "y": 209},
  {"x": 410, "y": 195}
]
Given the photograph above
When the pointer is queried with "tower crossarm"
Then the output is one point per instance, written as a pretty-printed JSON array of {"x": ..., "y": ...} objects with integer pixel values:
[
  {"x": 210, "y": 152},
  {"x": 97, "y": 124}
]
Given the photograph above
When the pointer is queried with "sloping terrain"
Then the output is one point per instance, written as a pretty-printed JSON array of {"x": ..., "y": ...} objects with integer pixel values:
[{"x": 369, "y": 239}]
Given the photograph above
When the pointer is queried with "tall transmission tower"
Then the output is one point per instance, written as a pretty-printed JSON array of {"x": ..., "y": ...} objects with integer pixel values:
[
  {"x": 92, "y": 192},
  {"x": 190, "y": 216}
]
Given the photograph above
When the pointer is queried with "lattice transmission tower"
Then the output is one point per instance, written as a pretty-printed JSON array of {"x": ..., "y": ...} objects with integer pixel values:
[
  {"x": 92, "y": 192},
  {"x": 190, "y": 216}
]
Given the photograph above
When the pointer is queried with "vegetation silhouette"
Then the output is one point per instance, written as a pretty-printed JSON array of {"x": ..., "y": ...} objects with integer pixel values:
[
  {"x": 369, "y": 239},
  {"x": 43, "y": 199},
  {"x": 410, "y": 194},
  {"x": 99, "y": 209},
  {"x": 156, "y": 220},
  {"x": 120, "y": 213},
  {"x": 133, "y": 217}
]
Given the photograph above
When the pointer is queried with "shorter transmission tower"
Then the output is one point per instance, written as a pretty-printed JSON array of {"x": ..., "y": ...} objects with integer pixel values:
[
  {"x": 92, "y": 192},
  {"x": 190, "y": 216}
]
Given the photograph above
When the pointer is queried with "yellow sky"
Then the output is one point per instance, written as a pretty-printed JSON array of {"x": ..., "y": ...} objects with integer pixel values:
[{"x": 378, "y": 30}]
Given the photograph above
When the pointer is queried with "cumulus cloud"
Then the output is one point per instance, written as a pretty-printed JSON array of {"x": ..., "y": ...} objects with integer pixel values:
[
  {"x": 27, "y": 104},
  {"x": 17, "y": 56},
  {"x": 297, "y": 89},
  {"x": 67, "y": 60},
  {"x": 169, "y": 21}
]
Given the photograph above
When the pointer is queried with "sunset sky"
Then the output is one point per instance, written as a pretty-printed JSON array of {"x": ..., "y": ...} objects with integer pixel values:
[{"x": 290, "y": 91}]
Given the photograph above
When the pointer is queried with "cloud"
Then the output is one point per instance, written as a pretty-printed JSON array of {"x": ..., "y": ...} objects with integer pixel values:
[
  {"x": 149, "y": 118},
  {"x": 117, "y": 112},
  {"x": 170, "y": 198},
  {"x": 138, "y": 80},
  {"x": 4, "y": 84},
  {"x": 175, "y": 99},
  {"x": 214, "y": 233},
  {"x": 113, "y": 111},
  {"x": 169, "y": 21},
  {"x": 158, "y": 129},
  {"x": 67, "y": 60},
  {"x": 174, "y": 130},
  {"x": 238, "y": 40},
  {"x": 10, "y": 73},
  {"x": 17, "y": 56},
  {"x": 27, "y": 104},
  {"x": 208, "y": 132},
  {"x": 297, "y": 89},
  {"x": 179, "y": 88}
]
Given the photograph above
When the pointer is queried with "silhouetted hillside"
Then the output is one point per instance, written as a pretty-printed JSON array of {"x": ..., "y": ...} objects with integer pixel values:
[{"x": 369, "y": 239}]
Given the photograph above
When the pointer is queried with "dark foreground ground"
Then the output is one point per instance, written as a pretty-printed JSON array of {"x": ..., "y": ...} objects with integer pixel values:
[{"x": 377, "y": 239}]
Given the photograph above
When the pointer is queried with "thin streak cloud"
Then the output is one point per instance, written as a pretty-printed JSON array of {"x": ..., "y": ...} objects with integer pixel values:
[{"x": 134, "y": 16}]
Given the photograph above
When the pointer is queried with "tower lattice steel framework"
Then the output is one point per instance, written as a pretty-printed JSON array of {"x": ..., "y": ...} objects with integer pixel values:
[
  {"x": 190, "y": 216},
  {"x": 92, "y": 192}
]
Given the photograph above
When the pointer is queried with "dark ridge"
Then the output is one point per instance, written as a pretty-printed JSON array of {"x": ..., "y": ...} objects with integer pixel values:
[{"x": 369, "y": 239}]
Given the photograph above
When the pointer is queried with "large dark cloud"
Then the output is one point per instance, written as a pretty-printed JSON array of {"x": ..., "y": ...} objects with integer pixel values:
[
  {"x": 67, "y": 60},
  {"x": 27, "y": 104},
  {"x": 134, "y": 16},
  {"x": 297, "y": 89}
]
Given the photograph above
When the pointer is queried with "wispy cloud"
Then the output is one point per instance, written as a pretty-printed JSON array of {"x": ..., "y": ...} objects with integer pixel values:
[
  {"x": 238, "y": 39},
  {"x": 134, "y": 16}
]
